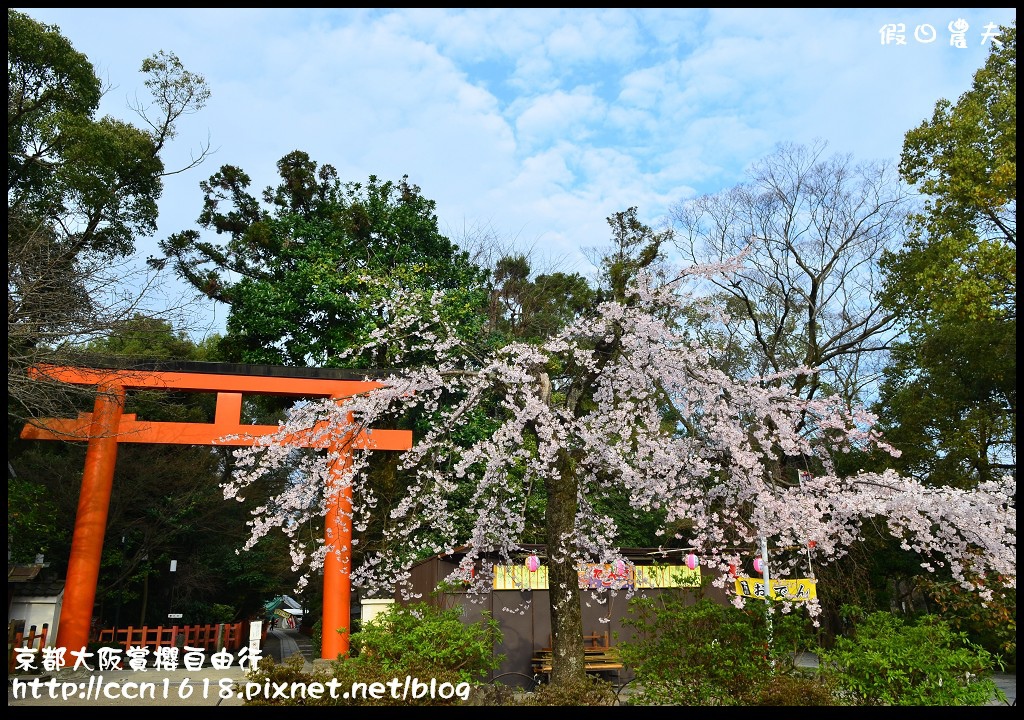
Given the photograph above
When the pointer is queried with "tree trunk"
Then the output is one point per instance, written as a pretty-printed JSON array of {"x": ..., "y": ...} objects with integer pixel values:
[{"x": 567, "y": 665}]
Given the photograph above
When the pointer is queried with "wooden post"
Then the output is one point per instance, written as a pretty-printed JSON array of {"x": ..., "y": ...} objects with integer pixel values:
[
  {"x": 91, "y": 520},
  {"x": 338, "y": 561}
]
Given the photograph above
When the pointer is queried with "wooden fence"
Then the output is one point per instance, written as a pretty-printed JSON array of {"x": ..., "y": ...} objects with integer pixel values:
[
  {"x": 18, "y": 639},
  {"x": 211, "y": 638},
  {"x": 208, "y": 637}
]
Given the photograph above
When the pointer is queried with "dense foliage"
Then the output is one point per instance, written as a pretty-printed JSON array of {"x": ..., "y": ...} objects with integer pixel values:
[
  {"x": 949, "y": 399},
  {"x": 298, "y": 274},
  {"x": 421, "y": 641},
  {"x": 699, "y": 652},
  {"x": 424, "y": 635},
  {"x": 886, "y": 660}
]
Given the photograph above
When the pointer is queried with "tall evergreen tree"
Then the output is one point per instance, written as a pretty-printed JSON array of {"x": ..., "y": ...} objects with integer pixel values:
[
  {"x": 80, "y": 191},
  {"x": 295, "y": 272},
  {"x": 949, "y": 399}
]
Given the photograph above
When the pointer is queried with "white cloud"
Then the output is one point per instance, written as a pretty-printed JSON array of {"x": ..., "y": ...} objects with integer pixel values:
[
  {"x": 560, "y": 117},
  {"x": 531, "y": 124}
]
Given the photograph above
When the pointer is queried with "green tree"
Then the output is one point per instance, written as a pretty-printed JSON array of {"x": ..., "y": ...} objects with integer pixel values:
[
  {"x": 634, "y": 248},
  {"x": 295, "y": 273},
  {"x": 32, "y": 529},
  {"x": 965, "y": 160},
  {"x": 949, "y": 397},
  {"x": 424, "y": 636},
  {"x": 80, "y": 191},
  {"x": 528, "y": 306},
  {"x": 947, "y": 400}
]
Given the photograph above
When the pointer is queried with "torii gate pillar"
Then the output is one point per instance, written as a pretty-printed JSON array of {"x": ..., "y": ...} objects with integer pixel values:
[
  {"x": 107, "y": 426},
  {"x": 91, "y": 520}
]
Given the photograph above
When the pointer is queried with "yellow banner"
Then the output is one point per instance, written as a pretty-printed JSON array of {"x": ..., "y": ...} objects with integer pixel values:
[
  {"x": 797, "y": 590},
  {"x": 665, "y": 576},
  {"x": 519, "y": 577}
]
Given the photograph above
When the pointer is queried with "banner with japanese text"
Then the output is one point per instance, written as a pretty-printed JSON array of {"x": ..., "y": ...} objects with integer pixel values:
[
  {"x": 593, "y": 576},
  {"x": 797, "y": 590}
]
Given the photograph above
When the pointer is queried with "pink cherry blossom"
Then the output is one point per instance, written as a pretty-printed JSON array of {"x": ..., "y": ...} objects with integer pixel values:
[{"x": 711, "y": 464}]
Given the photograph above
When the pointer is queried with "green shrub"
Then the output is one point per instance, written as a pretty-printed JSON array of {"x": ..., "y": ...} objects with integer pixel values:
[
  {"x": 711, "y": 654},
  {"x": 442, "y": 657},
  {"x": 885, "y": 661},
  {"x": 589, "y": 692},
  {"x": 423, "y": 637},
  {"x": 991, "y": 624},
  {"x": 796, "y": 690}
]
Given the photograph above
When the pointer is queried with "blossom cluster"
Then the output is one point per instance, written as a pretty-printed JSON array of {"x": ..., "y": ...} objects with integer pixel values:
[{"x": 656, "y": 420}]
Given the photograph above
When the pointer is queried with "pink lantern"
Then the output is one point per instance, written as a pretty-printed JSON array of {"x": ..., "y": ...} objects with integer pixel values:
[
  {"x": 759, "y": 565},
  {"x": 532, "y": 563},
  {"x": 692, "y": 561}
]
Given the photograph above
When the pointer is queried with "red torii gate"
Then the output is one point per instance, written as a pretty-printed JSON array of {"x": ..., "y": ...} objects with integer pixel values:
[{"x": 108, "y": 425}]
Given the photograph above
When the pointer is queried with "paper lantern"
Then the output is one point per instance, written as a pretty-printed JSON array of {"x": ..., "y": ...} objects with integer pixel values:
[
  {"x": 758, "y": 565},
  {"x": 812, "y": 544},
  {"x": 532, "y": 563},
  {"x": 692, "y": 561},
  {"x": 732, "y": 569}
]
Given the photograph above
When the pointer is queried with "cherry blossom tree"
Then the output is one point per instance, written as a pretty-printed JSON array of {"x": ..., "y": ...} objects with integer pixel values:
[{"x": 616, "y": 400}]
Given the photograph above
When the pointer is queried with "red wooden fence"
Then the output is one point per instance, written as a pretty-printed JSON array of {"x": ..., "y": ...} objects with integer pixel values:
[
  {"x": 18, "y": 639},
  {"x": 209, "y": 637}
]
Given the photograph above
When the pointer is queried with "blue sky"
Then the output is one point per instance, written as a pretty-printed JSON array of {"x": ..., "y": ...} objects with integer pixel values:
[{"x": 532, "y": 126}]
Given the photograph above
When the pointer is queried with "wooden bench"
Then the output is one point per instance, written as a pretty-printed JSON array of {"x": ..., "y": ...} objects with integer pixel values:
[{"x": 598, "y": 656}]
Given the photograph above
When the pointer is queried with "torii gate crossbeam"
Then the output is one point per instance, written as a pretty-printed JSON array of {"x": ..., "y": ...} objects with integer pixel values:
[{"x": 108, "y": 425}]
